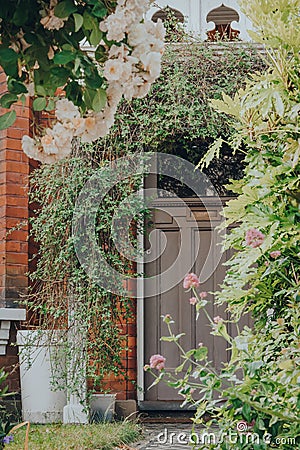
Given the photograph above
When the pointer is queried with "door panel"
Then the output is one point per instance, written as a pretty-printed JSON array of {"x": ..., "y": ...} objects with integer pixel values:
[{"x": 201, "y": 255}]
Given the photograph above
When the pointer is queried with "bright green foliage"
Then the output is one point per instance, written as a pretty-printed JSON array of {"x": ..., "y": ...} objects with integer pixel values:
[
  {"x": 164, "y": 121},
  {"x": 176, "y": 117},
  {"x": 58, "y": 277},
  {"x": 268, "y": 195},
  {"x": 260, "y": 386}
]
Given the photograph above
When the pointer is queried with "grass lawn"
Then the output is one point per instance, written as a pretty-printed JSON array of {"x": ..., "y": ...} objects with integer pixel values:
[{"x": 105, "y": 436}]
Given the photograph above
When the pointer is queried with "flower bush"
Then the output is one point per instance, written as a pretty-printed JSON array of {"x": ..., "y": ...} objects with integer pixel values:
[
  {"x": 46, "y": 52},
  {"x": 256, "y": 394}
]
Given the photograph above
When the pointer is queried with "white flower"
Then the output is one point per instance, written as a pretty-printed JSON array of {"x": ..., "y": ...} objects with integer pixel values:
[
  {"x": 65, "y": 109},
  {"x": 29, "y": 147},
  {"x": 131, "y": 87},
  {"x": 30, "y": 89},
  {"x": 115, "y": 25},
  {"x": 48, "y": 143},
  {"x": 137, "y": 34},
  {"x": 63, "y": 136},
  {"x": 78, "y": 125},
  {"x": 152, "y": 64},
  {"x": 114, "y": 94},
  {"x": 90, "y": 133},
  {"x": 143, "y": 90},
  {"x": 118, "y": 51},
  {"x": 109, "y": 117},
  {"x": 160, "y": 31},
  {"x": 139, "y": 7},
  {"x": 117, "y": 70}
]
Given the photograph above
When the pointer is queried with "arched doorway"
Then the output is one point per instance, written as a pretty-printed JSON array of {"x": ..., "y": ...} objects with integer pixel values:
[
  {"x": 173, "y": 21},
  {"x": 165, "y": 12},
  {"x": 222, "y": 17}
]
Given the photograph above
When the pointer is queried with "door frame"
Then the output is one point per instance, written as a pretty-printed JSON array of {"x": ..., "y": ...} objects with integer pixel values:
[{"x": 202, "y": 215}]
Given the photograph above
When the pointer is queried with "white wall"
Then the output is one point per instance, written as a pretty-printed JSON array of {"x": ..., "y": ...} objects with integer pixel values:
[{"x": 195, "y": 12}]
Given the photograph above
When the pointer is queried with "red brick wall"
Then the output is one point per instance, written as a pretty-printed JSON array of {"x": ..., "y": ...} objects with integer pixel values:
[
  {"x": 125, "y": 386},
  {"x": 14, "y": 170},
  {"x": 14, "y": 248}
]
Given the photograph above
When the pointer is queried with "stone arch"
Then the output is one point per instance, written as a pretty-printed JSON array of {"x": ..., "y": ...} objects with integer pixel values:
[{"x": 222, "y": 17}]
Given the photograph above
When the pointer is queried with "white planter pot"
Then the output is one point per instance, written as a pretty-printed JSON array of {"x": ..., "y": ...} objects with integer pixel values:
[
  {"x": 102, "y": 407},
  {"x": 40, "y": 404}
]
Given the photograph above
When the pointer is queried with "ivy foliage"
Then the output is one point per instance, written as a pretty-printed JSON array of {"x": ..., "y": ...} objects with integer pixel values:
[
  {"x": 59, "y": 284},
  {"x": 176, "y": 118}
]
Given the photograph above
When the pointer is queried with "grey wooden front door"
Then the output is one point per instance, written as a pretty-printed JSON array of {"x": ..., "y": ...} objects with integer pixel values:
[{"x": 194, "y": 226}]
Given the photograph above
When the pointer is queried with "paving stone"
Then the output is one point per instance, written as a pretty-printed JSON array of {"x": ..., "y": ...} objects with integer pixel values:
[{"x": 165, "y": 436}]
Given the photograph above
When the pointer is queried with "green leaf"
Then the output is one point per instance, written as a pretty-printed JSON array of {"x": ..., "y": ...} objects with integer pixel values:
[
  {"x": 88, "y": 97},
  {"x": 94, "y": 82},
  {"x": 286, "y": 365},
  {"x": 96, "y": 36},
  {"x": 88, "y": 21},
  {"x": 74, "y": 93},
  {"x": 64, "y": 57},
  {"x": 16, "y": 87},
  {"x": 180, "y": 368},
  {"x": 99, "y": 10},
  {"x": 212, "y": 153},
  {"x": 22, "y": 98},
  {"x": 8, "y": 55},
  {"x": 50, "y": 106},
  {"x": 21, "y": 14},
  {"x": 7, "y": 119},
  {"x": 64, "y": 9},
  {"x": 200, "y": 353},
  {"x": 59, "y": 75},
  {"x": 8, "y": 99},
  {"x": 246, "y": 412},
  {"x": 99, "y": 101},
  {"x": 100, "y": 54},
  {"x": 78, "y": 19},
  {"x": 39, "y": 104},
  {"x": 40, "y": 90},
  {"x": 168, "y": 338},
  {"x": 91, "y": 23}
]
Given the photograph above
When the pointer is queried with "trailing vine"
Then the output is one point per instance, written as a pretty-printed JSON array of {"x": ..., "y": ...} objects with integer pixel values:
[{"x": 175, "y": 118}]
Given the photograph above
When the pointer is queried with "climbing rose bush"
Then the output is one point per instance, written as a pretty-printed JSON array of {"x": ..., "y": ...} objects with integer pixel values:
[{"x": 77, "y": 59}]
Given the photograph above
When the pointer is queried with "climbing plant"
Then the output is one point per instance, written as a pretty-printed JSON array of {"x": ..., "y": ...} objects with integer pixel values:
[
  {"x": 167, "y": 122},
  {"x": 254, "y": 400}
]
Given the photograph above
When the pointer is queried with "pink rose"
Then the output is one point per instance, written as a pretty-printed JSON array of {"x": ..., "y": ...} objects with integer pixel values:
[
  {"x": 193, "y": 300},
  {"x": 275, "y": 254},
  {"x": 157, "y": 362},
  {"x": 203, "y": 295},
  {"x": 218, "y": 319},
  {"x": 254, "y": 238},
  {"x": 191, "y": 281}
]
